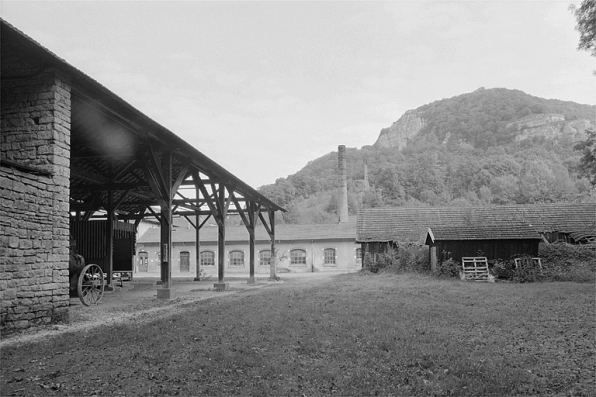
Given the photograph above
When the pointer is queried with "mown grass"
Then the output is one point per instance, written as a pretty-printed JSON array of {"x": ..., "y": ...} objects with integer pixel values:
[{"x": 361, "y": 334}]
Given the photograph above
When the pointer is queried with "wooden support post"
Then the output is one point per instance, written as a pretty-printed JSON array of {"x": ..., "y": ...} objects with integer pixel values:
[
  {"x": 165, "y": 245},
  {"x": 273, "y": 262},
  {"x": 198, "y": 243},
  {"x": 110, "y": 241},
  {"x": 221, "y": 285},
  {"x": 251, "y": 250},
  {"x": 221, "y": 252},
  {"x": 166, "y": 227},
  {"x": 251, "y": 207}
]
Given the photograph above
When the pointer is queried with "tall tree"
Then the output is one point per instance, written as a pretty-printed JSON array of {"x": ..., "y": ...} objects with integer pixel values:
[
  {"x": 585, "y": 15},
  {"x": 587, "y": 163}
]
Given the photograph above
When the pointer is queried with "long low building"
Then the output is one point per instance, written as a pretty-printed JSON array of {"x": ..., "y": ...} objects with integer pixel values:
[
  {"x": 500, "y": 230},
  {"x": 300, "y": 248}
]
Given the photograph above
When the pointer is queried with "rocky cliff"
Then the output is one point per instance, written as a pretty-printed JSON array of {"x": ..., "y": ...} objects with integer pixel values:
[
  {"x": 401, "y": 131},
  {"x": 547, "y": 125},
  {"x": 550, "y": 125}
]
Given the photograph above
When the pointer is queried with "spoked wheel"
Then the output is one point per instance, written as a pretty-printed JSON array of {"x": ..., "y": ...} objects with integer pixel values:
[{"x": 90, "y": 287}]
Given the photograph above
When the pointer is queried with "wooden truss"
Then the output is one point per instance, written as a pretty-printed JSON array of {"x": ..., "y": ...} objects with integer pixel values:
[{"x": 126, "y": 167}]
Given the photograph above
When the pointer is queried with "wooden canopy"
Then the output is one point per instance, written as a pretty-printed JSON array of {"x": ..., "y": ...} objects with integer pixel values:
[{"x": 125, "y": 166}]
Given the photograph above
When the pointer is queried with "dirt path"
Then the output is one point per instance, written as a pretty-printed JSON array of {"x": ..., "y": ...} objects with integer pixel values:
[{"x": 136, "y": 302}]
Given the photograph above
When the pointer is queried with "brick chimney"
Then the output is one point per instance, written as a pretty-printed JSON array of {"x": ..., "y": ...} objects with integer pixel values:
[{"x": 342, "y": 197}]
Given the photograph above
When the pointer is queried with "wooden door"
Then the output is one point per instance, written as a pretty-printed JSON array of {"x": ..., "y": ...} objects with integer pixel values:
[{"x": 184, "y": 262}]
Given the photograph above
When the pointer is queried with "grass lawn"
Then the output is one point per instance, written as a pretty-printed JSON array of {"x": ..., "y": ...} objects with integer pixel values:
[{"x": 359, "y": 334}]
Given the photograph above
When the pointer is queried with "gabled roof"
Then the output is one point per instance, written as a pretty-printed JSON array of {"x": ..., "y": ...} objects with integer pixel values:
[
  {"x": 109, "y": 137},
  {"x": 283, "y": 232},
  {"x": 512, "y": 230},
  {"x": 411, "y": 224}
]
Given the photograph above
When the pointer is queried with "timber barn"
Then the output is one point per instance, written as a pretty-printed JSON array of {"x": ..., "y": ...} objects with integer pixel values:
[
  {"x": 79, "y": 169},
  {"x": 300, "y": 249},
  {"x": 498, "y": 240},
  {"x": 509, "y": 228}
]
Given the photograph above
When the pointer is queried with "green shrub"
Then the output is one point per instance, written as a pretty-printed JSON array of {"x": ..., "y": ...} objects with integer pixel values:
[
  {"x": 526, "y": 272},
  {"x": 568, "y": 262},
  {"x": 401, "y": 259},
  {"x": 502, "y": 269},
  {"x": 560, "y": 262},
  {"x": 448, "y": 269}
]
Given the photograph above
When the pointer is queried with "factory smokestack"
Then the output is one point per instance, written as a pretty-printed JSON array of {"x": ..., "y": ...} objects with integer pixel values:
[{"x": 342, "y": 197}]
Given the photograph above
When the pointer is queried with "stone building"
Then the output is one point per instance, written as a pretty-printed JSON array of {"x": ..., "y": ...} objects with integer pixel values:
[{"x": 34, "y": 189}]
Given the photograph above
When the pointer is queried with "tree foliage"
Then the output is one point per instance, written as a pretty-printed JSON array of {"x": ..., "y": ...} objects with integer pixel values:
[
  {"x": 587, "y": 163},
  {"x": 585, "y": 16},
  {"x": 479, "y": 165}
]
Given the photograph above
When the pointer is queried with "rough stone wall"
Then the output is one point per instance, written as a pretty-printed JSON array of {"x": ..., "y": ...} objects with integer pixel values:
[{"x": 34, "y": 228}]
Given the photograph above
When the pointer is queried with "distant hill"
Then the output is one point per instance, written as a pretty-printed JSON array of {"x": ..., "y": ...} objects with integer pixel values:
[
  {"x": 491, "y": 146},
  {"x": 486, "y": 118}
]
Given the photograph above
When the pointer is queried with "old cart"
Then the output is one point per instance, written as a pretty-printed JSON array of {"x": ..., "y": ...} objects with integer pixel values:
[
  {"x": 86, "y": 281},
  {"x": 90, "y": 243}
]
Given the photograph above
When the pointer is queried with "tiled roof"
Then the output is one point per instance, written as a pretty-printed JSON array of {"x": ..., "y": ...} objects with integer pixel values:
[
  {"x": 512, "y": 230},
  {"x": 407, "y": 224},
  {"x": 283, "y": 232}
]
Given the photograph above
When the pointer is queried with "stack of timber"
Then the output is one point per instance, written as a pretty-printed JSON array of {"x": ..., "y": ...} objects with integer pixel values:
[{"x": 475, "y": 269}]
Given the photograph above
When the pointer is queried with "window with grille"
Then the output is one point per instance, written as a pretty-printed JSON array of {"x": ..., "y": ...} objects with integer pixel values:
[
  {"x": 236, "y": 258},
  {"x": 358, "y": 254},
  {"x": 207, "y": 258},
  {"x": 329, "y": 254},
  {"x": 264, "y": 258},
  {"x": 298, "y": 257}
]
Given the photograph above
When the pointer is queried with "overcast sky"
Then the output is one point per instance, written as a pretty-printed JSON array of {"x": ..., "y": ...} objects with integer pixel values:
[{"x": 264, "y": 87}]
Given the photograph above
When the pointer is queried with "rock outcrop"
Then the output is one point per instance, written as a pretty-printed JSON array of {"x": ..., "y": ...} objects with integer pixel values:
[
  {"x": 549, "y": 125},
  {"x": 400, "y": 132},
  {"x": 546, "y": 125}
]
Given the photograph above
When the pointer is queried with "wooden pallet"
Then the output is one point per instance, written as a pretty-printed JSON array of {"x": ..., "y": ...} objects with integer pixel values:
[
  {"x": 528, "y": 263},
  {"x": 474, "y": 268}
]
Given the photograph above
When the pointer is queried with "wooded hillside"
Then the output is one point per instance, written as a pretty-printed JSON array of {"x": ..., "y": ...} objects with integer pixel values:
[{"x": 494, "y": 146}]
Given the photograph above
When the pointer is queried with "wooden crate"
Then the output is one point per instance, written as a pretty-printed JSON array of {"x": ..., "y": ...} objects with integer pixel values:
[{"x": 474, "y": 268}]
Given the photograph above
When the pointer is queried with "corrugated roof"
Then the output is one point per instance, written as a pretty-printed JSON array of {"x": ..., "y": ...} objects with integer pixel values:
[
  {"x": 411, "y": 224},
  {"x": 283, "y": 232}
]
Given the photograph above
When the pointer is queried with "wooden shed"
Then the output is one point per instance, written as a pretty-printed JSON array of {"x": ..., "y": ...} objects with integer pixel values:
[
  {"x": 379, "y": 229},
  {"x": 493, "y": 241}
]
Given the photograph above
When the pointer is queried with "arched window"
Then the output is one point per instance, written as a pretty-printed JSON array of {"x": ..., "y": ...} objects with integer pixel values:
[
  {"x": 329, "y": 254},
  {"x": 298, "y": 257},
  {"x": 236, "y": 258},
  {"x": 264, "y": 258},
  {"x": 207, "y": 258}
]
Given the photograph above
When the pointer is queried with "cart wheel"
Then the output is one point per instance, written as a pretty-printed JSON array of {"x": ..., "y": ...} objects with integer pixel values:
[{"x": 90, "y": 286}]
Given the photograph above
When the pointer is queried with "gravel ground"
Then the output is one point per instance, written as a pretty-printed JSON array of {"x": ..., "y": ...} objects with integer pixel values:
[{"x": 137, "y": 301}]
